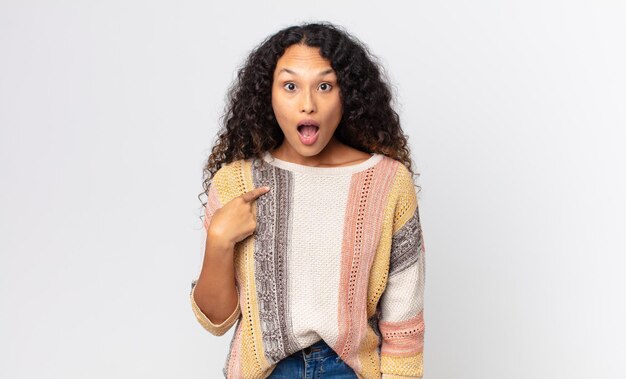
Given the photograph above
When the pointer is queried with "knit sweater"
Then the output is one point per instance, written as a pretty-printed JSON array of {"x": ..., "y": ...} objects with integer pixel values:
[{"x": 337, "y": 254}]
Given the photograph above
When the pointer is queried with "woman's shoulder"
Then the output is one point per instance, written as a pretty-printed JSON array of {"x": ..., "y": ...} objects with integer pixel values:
[
  {"x": 400, "y": 170},
  {"x": 230, "y": 174}
]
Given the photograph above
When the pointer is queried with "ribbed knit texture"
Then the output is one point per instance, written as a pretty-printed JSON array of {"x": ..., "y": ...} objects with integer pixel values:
[{"x": 338, "y": 255}]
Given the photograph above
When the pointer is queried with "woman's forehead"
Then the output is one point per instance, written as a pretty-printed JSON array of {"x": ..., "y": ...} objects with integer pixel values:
[{"x": 301, "y": 57}]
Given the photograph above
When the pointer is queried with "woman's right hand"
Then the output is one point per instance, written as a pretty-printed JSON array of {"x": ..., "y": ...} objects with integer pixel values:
[{"x": 236, "y": 220}]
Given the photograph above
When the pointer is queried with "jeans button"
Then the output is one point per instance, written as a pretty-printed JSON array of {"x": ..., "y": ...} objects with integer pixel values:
[{"x": 307, "y": 350}]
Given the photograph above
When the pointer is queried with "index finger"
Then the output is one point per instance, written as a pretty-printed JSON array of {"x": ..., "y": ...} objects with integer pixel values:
[{"x": 254, "y": 193}]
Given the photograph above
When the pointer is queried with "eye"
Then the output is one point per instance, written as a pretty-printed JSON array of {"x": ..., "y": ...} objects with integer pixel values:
[
  {"x": 325, "y": 87},
  {"x": 289, "y": 86}
]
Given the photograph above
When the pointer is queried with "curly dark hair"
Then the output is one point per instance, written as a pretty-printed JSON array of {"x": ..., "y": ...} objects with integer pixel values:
[{"x": 369, "y": 122}]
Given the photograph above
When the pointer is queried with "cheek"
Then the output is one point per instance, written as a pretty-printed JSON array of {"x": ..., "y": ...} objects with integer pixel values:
[
  {"x": 280, "y": 111},
  {"x": 336, "y": 109},
  {"x": 276, "y": 106},
  {"x": 278, "y": 103}
]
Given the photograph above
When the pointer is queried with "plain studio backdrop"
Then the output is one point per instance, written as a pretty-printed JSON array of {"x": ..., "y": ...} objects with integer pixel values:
[{"x": 515, "y": 116}]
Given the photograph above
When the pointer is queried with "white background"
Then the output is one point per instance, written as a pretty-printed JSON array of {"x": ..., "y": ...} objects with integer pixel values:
[{"x": 515, "y": 112}]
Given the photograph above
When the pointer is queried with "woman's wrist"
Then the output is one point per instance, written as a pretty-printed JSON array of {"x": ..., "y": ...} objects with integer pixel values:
[{"x": 218, "y": 242}]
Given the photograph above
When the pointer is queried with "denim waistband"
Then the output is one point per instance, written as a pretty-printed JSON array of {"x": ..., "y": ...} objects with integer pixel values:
[{"x": 320, "y": 349}]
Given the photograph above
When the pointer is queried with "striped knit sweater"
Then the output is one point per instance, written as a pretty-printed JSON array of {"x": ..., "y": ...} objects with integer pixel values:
[{"x": 337, "y": 255}]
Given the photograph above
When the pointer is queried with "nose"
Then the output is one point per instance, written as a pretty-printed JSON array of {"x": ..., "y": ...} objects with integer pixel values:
[{"x": 308, "y": 103}]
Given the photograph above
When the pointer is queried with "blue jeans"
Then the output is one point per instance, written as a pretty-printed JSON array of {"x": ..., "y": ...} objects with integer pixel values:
[{"x": 318, "y": 361}]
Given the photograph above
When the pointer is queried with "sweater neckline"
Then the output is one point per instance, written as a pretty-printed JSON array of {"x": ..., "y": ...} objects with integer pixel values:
[{"x": 340, "y": 170}]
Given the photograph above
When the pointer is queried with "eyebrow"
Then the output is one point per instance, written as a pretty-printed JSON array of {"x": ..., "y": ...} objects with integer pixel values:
[{"x": 327, "y": 71}]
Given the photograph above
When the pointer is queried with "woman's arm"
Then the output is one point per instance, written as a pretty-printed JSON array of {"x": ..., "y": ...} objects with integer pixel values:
[
  {"x": 402, "y": 303},
  {"x": 214, "y": 295}
]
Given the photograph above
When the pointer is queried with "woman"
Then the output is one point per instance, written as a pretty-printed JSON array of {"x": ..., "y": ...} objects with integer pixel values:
[{"x": 314, "y": 244}]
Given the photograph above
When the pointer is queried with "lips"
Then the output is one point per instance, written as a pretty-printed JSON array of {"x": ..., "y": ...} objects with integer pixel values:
[
  {"x": 308, "y": 127},
  {"x": 308, "y": 131}
]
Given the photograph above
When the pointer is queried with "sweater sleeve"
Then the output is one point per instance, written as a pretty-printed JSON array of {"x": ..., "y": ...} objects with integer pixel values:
[
  {"x": 402, "y": 303},
  {"x": 212, "y": 205}
]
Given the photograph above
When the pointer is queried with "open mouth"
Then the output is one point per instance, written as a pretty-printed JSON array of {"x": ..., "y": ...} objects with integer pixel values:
[{"x": 308, "y": 130}]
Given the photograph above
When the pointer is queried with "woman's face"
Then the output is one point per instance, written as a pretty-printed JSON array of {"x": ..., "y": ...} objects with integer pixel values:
[{"x": 305, "y": 91}]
